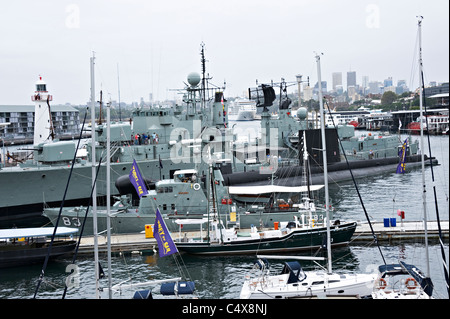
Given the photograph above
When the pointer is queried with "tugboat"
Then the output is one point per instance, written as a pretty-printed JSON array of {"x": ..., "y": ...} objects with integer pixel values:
[{"x": 219, "y": 239}]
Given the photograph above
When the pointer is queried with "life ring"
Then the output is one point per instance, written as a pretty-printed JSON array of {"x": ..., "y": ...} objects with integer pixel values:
[
  {"x": 196, "y": 186},
  {"x": 414, "y": 283},
  {"x": 382, "y": 283}
]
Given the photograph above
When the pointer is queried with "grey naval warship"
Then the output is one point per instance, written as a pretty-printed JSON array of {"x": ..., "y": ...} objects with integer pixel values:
[
  {"x": 176, "y": 141},
  {"x": 256, "y": 198},
  {"x": 183, "y": 136},
  {"x": 365, "y": 155}
]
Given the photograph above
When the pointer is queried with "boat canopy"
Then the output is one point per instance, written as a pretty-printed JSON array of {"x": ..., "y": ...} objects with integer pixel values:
[
  {"x": 265, "y": 189},
  {"x": 293, "y": 268},
  {"x": 178, "y": 288},
  {"x": 192, "y": 221},
  {"x": 35, "y": 232},
  {"x": 403, "y": 268}
]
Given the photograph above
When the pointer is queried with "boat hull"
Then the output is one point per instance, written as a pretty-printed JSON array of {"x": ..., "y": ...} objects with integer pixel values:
[
  {"x": 297, "y": 240},
  {"x": 19, "y": 254},
  {"x": 337, "y": 286}
]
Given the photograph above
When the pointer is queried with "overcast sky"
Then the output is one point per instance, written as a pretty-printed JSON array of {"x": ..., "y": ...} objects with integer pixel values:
[{"x": 156, "y": 44}]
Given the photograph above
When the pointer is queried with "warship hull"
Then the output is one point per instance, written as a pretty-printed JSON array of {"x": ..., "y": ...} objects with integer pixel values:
[
  {"x": 134, "y": 222},
  {"x": 45, "y": 187},
  {"x": 27, "y": 191},
  {"x": 337, "y": 172},
  {"x": 129, "y": 222}
]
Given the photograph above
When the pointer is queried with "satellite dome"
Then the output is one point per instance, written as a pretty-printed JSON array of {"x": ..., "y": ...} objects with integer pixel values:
[
  {"x": 193, "y": 79},
  {"x": 301, "y": 113}
]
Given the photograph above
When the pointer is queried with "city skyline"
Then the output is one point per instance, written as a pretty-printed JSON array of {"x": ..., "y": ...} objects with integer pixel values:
[
  {"x": 327, "y": 87},
  {"x": 150, "y": 47}
]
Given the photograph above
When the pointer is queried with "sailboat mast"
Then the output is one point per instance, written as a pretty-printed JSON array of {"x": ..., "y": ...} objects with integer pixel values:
[
  {"x": 422, "y": 145},
  {"x": 108, "y": 194},
  {"x": 325, "y": 165},
  {"x": 94, "y": 193}
]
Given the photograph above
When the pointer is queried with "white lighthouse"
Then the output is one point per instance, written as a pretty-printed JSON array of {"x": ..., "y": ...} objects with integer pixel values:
[{"x": 42, "y": 113}]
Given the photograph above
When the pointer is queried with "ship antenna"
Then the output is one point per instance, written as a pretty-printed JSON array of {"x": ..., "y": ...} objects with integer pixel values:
[{"x": 203, "y": 61}]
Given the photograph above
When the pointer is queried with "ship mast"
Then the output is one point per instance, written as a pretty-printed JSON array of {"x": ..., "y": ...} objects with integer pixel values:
[{"x": 203, "y": 60}]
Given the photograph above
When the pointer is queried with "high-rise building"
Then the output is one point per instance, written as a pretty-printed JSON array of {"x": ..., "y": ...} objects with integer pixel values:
[
  {"x": 401, "y": 87},
  {"x": 375, "y": 87},
  {"x": 337, "y": 79},
  {"x": 351, "y": 78},
  {"x": 324, "y": 87},
  {"x": 388, "y": 82},
  {"x": 365, "y": 84},
  {"x": 307, "y": 92}
]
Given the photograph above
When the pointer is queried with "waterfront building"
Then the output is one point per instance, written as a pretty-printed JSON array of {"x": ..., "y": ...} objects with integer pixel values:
[
  {"x": 439, "y": 89},
  {"x": 65, "y": 118}
]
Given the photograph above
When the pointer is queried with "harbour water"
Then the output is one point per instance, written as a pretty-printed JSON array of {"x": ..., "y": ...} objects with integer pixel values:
[{"x": 222, "y": 277}]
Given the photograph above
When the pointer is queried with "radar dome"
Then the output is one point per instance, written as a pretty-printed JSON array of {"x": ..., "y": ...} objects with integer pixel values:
[
  {"x": 301, "y": 113},
  {"x": 193, "y": 79}
]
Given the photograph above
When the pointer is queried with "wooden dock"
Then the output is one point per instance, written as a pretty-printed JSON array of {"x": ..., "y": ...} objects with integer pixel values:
[{"x": 408, "y": 231}]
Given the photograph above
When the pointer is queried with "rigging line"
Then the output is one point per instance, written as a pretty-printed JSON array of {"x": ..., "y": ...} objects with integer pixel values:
[
  {"x": 414, "y": 64},
  {"x": 356, "y": 187},
  {"x": 434, "y": 192},
  {"x": 322, "y": 169},
  {"x": 84, "y": 222},
  {"x": 41, "y": 276}
]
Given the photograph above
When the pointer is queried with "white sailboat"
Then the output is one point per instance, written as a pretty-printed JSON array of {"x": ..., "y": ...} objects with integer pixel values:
[
  {"x": 293, "y": 282},
  {"x": 404, "y": 281}
]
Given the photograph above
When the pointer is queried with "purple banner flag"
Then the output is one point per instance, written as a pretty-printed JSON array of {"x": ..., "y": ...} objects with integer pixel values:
[
  {"x": 401, "y": 168},
  {"x": 137, "y": 180},
  {"x": 160, "y": 232}
]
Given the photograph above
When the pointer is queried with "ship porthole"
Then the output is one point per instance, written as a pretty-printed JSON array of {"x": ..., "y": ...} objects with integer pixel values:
[
  {"x": 43, "y": 175},
  {"x": 124, "y": 168}
]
